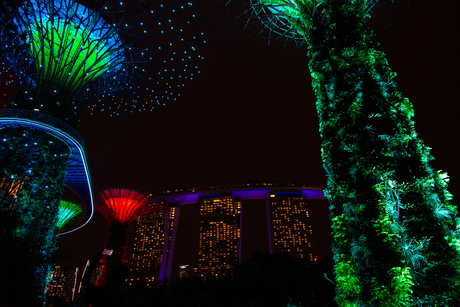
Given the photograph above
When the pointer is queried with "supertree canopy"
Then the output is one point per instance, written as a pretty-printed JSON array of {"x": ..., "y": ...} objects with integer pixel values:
[
  {"x": 395, "y": 231},
  {"x": 68, "y": 212},
  {"x": 69, "y": 55},
  {"x": 124, "y": 57},
  {"x": 71, "y": 44},
  {"x": 120, "y": 207},
  {"x": 259, "y": 32}
]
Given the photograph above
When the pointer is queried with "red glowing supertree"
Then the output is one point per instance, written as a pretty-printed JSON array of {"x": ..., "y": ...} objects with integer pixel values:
[{"x": 120, "y": 207}]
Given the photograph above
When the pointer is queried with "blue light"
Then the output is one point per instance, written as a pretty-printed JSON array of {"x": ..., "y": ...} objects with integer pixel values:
[{"x": 76, "y": 148}]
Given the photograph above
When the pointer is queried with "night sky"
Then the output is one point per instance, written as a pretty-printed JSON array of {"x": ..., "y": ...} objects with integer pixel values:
[{"x": 233, "y": 123}]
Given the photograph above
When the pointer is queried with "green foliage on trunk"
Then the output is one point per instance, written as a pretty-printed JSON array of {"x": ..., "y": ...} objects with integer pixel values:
[
  {"x": 396, "y": 238},
  {"x": 32, "y": 170}
]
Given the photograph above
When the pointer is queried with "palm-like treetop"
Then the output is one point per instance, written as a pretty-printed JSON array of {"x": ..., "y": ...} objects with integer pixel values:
[
  {"x": 122, "y": 205},
  {"x": 68, "y": 211}
]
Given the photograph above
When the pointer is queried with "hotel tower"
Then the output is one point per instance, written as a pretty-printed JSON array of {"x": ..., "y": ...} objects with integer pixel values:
[{"x": 205, "y": 232}]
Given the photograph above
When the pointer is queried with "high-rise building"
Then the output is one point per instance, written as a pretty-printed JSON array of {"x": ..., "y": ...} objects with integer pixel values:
[
  {"x": 218, "y": 235},
  {"x": 147, "y": 246},
  {"x": 209, "y": 230},
  {"x": 291, "y": 230},
  {"x": 61, "y": 283}
]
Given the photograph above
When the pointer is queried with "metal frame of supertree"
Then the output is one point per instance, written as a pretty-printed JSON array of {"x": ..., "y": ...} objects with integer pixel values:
[
  {"x": 122, "y": 61},
  {"x": 257, "y": 33},
  {"x": 102, "y": 55}
]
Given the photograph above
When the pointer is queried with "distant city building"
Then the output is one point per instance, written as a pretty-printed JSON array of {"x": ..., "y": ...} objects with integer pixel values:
[
  {"x": 205, "y": 232},
  {"x": 62, "y": 282},
  {"x": 147, "y": 247},
  {"x": 218, "y": 235},
  {"x": 290, "y": 227}
]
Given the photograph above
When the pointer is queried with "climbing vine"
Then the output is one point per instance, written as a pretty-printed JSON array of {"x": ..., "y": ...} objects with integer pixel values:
[
  {"x": 32, "y": 170},
  {"x": 395, "y": 230}
]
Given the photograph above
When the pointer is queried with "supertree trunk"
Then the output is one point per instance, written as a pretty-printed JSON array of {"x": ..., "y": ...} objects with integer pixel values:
[
  {"x": 33, "y": 166},
  {"x": 395, "y": 231},
  {"x": 120, "y": 207},
  {"x": 117, "y": 241}
]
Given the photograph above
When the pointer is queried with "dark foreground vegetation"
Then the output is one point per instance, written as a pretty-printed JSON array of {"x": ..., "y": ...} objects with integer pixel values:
[{"x": 263, "y": 280}]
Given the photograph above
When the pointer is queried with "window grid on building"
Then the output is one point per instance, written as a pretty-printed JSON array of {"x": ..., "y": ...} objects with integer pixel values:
[
  {"x": 218, "y": 249},
  {"x": 147, "y": 250},
  {"x": 291, "y": 228}
]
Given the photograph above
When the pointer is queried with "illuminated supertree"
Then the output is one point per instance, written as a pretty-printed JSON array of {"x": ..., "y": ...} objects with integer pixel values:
[
  {"x": 120, "y": 207},
  {"x": 98, "y": 54},
  {"x": 68, "y": 55},
  {"x": 68, "y": 212},
  {"x": 259, "y": 33},
  {"x": 396, "y": 235}
]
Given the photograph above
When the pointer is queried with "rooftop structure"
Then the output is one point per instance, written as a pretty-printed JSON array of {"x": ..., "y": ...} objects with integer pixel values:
[{"x": 207, "y": 231}]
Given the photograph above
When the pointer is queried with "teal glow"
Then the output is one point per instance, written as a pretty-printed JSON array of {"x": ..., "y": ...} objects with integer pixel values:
[
  {"x": 284, "y": 8},
  {"x": 78, "y": 155},
  {"x": 68, "y": 211}
]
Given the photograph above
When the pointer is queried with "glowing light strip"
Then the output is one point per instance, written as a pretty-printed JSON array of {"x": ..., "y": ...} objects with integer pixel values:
[
  {"x": 256, "y": 192},
  {"x": 69, "y": 140},
  {"x": 67, "y": 212}
]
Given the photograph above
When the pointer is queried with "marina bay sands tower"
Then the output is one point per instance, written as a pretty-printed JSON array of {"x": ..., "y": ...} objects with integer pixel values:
[{"x": 206, "y": 232}]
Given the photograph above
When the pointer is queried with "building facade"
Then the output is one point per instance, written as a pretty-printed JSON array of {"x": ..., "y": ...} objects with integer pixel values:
[
  {"x": 290, "y": 227},
  {"x": 218, "y": 235},
  {"x": 62, "y": 282},
  {"x": 210, "y": 230},
  {"x": 150, "y": 246}
]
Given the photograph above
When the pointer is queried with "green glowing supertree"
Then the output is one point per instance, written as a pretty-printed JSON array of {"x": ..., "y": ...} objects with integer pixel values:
[
  {"x": 69, "y": 55},
  {"x": 396, "y": 233},
  {"x": 68, "y": 212}
]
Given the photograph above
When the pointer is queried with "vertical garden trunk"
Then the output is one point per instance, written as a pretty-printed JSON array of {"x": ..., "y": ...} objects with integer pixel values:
[
  {"x": 117, "y": 241},
  {"x": 395, "y": 230},
  {"x": 32, "y": 171}
]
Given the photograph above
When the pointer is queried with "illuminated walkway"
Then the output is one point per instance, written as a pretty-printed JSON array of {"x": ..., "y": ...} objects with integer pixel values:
[{"x": 77, "y": 177}]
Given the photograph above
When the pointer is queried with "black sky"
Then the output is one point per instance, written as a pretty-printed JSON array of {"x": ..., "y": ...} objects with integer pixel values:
[{"x": 234, "y": 123}]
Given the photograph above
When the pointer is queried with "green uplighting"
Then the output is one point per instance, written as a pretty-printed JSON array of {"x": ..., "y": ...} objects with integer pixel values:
[
  {"x": 68, "y": 211},
  {"x": 285, "y": 8},
  {"x": 70, "y": 47}
]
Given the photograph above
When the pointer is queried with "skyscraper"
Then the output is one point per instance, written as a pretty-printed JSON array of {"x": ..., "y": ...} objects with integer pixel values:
[
  {"x": 212, "y": 229},
  {"x": 150, "y": 241},
  {"x": 291, "y": 231},
  {"x": 145, "y": 264},
  {"x": 218, "y": 235},
  {"x": 62, "y": 282}
]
